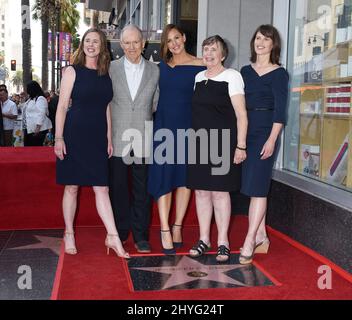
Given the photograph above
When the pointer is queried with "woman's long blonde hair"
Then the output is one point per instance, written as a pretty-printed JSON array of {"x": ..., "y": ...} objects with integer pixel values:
[{"x": 104, "y": 59}]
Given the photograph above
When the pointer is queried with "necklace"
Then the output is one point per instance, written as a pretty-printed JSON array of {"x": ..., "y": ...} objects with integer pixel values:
[{"x": 213, "y": 76}]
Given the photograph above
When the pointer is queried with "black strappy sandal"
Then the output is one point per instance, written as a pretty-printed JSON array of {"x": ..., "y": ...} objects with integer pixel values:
[
  {"x": 223, "y": 254},
  {"x": 201, "y": 247}
]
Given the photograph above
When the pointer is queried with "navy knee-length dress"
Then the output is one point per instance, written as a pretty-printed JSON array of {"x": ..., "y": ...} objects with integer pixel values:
[
  {"x": 85, "y": 131},
  {"x": 174, "y": 112},
  {"x": 266, "y": 102}
]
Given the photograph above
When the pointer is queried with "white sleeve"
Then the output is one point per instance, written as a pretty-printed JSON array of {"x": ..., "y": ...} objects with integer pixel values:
[
  {"x": 236, "y": 84},
  {"x": 14, "y": 110},
  {"x": 42, "y": 109},
  {"x": 199, "y": 77}
]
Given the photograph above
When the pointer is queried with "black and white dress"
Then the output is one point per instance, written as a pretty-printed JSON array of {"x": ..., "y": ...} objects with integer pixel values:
[{"x": 213, "y": 112}]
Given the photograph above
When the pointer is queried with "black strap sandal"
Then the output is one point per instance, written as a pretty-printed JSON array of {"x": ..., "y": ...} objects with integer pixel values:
[
  {"x": 201, "y": 247},
  {"x": 223, "y": 254}
]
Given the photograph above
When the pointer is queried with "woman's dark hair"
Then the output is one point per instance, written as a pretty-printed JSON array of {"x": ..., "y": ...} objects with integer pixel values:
[
  {"x": 164, "y": 50},
  {"x": 269, "y": 31},
  {"x": 220, "y": 41},
  {"x": 34, "y": 90}
]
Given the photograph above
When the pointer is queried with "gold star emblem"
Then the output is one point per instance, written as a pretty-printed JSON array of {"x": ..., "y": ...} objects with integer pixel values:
[{"x": 188, "y": 270}]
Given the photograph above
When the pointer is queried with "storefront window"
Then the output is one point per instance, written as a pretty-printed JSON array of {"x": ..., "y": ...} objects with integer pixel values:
[
  {"x": 318, "y": 135},
  {"x": 166, "y": 12}
]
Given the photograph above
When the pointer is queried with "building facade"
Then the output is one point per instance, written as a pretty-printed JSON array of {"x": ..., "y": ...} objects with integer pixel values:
[
  {"x": 10, "y": 46},
  {"x": 312, "y": 190}
]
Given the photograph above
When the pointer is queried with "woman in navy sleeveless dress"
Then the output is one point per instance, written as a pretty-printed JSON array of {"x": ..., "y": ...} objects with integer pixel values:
[
  {"x": 177, "y": 74},
  {"x": 83, "y": 135},
  {"x": 85, "y": 131},
  {"x": 266, "y": 90}
]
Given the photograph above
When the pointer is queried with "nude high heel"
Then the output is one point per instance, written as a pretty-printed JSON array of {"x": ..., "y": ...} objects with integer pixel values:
[
  {"x": 71, "y": 251},
  {"x": 246, "y": 259},
  {"x": 263, "y": 246},
  {"x": 110, "y": 246}
]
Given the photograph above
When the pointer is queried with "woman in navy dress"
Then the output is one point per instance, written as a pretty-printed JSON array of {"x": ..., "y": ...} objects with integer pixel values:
[
  {"x": 266, "y": 90},
  {"x": 83, "y": 136},
  {"x": 177, "y": 73}
]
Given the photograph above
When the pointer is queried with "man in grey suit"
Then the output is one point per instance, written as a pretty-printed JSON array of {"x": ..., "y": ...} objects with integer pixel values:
[{"x": 135, "y": 86}]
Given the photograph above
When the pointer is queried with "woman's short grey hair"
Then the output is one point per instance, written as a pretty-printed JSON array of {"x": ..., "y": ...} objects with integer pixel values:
[{"x": 220, "y": 41}]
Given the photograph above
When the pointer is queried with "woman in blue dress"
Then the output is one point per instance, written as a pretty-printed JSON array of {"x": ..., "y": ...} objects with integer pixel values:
[
  {"x": 177, "y": 73},
  {"x": 83, "y": 136},
  {"x": 266, "y": 90}
]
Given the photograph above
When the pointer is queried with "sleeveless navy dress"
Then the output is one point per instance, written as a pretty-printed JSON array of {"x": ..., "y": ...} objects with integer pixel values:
[
  {"x": 266, "y": 102},
  {"x": 174, "y": 112},
  {"x": 85, "y": 131}
]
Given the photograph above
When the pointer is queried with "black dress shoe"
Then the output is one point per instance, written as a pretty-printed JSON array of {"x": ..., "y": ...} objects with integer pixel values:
[{"x": 143, "y": 246}]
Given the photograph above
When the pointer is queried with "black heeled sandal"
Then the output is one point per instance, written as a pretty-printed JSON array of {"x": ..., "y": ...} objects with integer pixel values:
[
  {"x": 223, "y": 254},
  {"x": 177, "y": 245},
  {"x": 201, "y": 247},
  {"x": 170, "y": 251}
]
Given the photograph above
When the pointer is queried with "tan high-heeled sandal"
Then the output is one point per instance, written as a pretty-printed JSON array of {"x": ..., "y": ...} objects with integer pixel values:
[
  {"x": 247, "y": 259},
  {"x": 73, "y": 250},
  {"x": 110, "y": 246},
  {"x": 262, "y": 246}
]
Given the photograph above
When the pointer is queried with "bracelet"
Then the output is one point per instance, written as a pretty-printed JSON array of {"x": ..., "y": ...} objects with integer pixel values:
[
  {"x": 59, "y": 138},
  {"x": 241, "y": 148}
]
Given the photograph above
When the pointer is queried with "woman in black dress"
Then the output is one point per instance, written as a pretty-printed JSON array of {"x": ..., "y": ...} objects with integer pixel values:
[
  {"x": 218, "y": 110},
  {"x": 83, "y": 136},
  {"x": 266, "y": 90}
]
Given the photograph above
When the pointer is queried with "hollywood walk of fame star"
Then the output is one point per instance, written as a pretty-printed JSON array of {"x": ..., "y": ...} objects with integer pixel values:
[
  {"x": 51, "y": 243},
  {"x": 188, "y": 270}
]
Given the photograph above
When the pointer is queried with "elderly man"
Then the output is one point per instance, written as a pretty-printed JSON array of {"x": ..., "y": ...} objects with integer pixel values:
[
  {"x": 135, "y": 86},
  {"x": 9, "y": 115}
]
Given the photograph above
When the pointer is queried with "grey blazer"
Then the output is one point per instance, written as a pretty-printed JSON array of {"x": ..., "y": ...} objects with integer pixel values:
[{"x": 132, "y": 119}]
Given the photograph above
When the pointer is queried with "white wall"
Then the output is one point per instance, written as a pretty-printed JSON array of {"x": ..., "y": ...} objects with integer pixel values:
[{"x": 235, "y": 21}]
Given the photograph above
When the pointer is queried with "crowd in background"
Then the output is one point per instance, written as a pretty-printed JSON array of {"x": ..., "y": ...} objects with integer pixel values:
[{"x": 13, "y": 129}]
